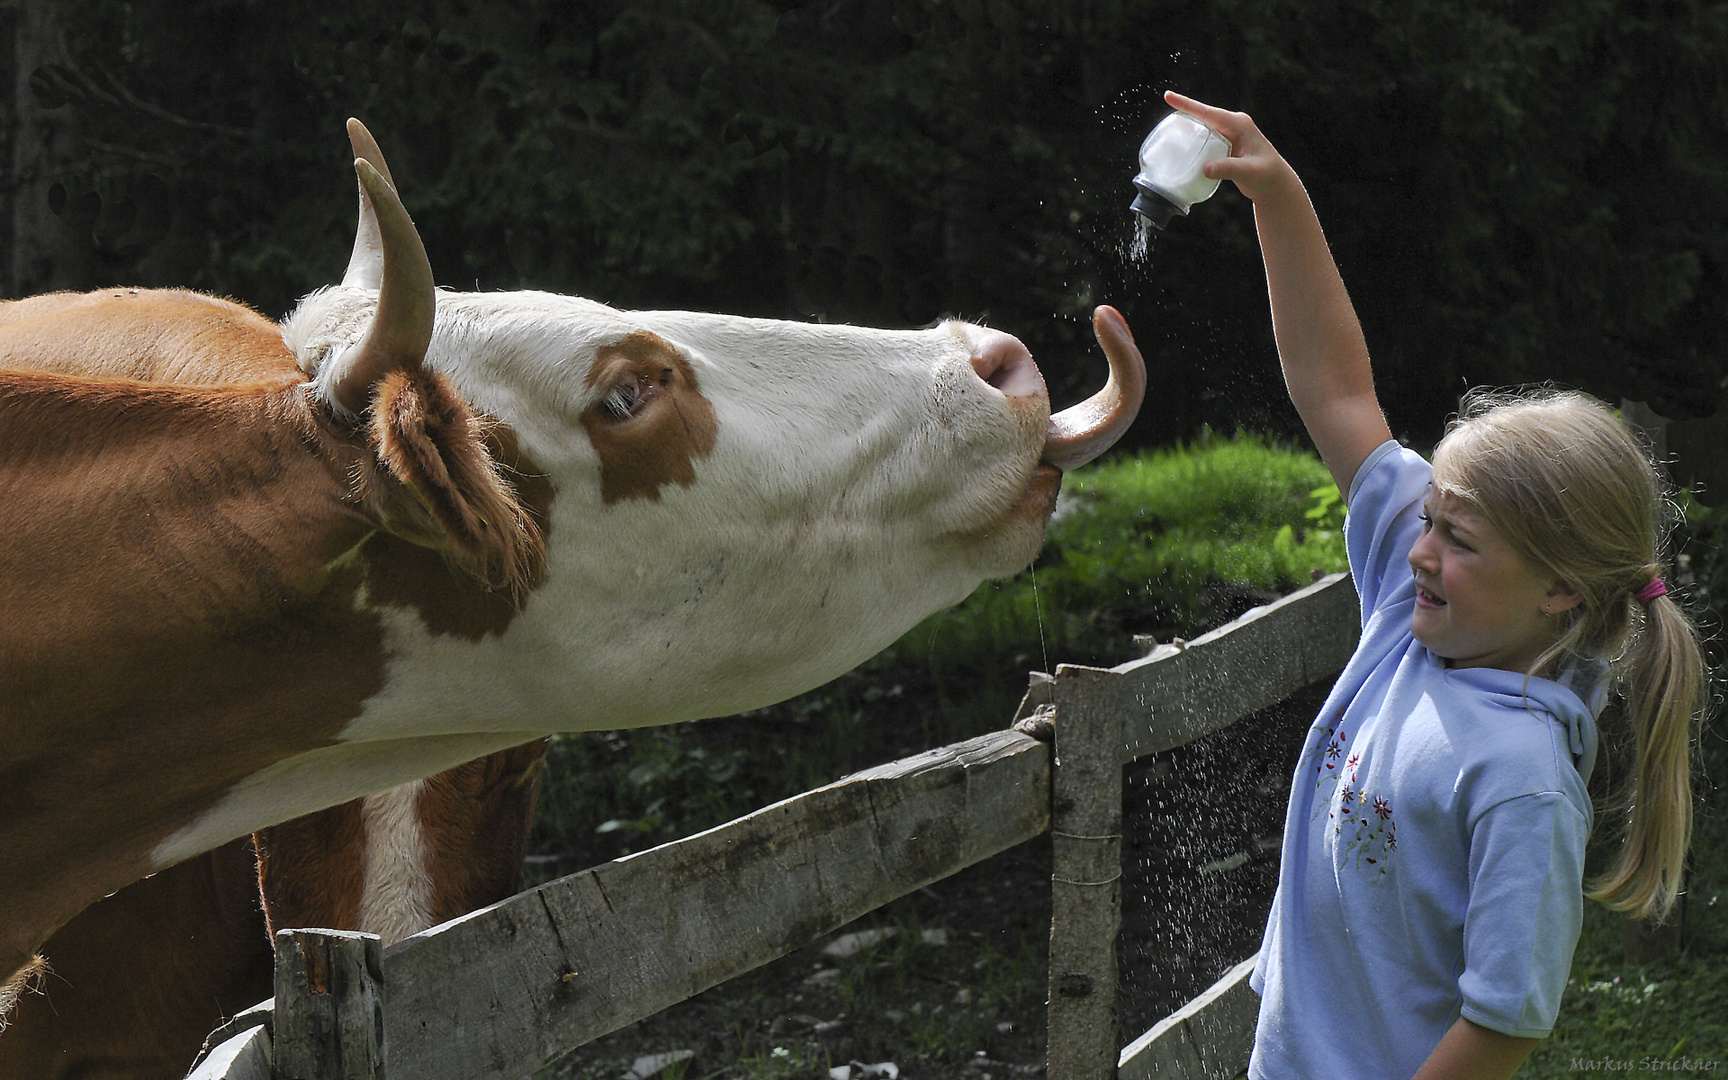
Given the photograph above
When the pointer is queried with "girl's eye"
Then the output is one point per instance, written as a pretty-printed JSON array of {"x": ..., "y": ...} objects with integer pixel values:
[
  {"x": 1452, "y": 541},
  {"x": 1427, "y": 522}
]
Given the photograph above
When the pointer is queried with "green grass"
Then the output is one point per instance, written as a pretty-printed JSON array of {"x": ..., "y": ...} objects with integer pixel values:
[
  {"x": 892, "y": 982},
  {"x": 1143, "y": 543},
  {"x": 776, "y": 1059}
]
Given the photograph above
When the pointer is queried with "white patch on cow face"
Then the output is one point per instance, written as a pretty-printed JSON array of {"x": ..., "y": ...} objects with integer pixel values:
[
  {"x": 396, "y": 900},
  {"x": 857, "y": 481}
]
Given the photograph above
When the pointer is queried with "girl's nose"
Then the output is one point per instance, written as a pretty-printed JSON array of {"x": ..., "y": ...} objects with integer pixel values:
[{"x": 1422, "y": 553}]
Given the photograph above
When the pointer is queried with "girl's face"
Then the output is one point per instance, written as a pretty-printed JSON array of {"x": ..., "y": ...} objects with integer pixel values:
[{"x": 1478, "y": 602}]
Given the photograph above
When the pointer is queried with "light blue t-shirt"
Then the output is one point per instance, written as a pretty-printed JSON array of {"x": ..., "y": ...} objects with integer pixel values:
[{"x": 1434, "y": 842}]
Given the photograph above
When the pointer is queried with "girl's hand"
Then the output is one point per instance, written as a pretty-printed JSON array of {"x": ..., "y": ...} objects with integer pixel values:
[{"x": 1254, "y": 166}]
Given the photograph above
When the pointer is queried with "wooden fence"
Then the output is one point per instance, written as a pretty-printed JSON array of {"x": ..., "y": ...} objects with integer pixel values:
[{"x": 508, "y": 989}]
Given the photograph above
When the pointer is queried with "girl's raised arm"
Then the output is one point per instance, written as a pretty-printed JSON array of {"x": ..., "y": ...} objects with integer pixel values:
[{"x": 1320, "y": 342}]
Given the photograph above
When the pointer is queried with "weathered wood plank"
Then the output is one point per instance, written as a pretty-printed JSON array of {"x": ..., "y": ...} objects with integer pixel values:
[
  {"x": 328, "y": 1022},
  {"x": 1209, "y": 1038},
  {"x": 1179, "y": 693},
  {"x": 1085, "y": 882},
  {"x": 255, "y": 1016},
  {"x": 245, "y": 1056},
  {"x": 504, "y": 990}
]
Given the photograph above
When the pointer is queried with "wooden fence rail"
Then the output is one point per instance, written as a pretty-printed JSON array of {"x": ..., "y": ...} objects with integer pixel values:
[{"x": 505, "y": 990}]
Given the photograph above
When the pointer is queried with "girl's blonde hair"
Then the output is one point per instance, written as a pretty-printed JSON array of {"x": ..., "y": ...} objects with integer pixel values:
[{"x": 1572, "y": 491}]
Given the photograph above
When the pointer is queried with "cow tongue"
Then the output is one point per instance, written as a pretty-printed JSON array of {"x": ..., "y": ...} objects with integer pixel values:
[{"x": 1081, "y": 433}]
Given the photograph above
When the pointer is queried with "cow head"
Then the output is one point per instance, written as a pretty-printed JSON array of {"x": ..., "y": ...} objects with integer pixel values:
[{"x": 733, "y": 510}]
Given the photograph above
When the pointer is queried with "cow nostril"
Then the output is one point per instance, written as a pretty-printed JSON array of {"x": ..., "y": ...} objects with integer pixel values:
[{"x": 1005, "y": 364}]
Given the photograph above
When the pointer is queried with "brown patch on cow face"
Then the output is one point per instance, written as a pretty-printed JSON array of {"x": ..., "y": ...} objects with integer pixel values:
[
  {"x": 650, "y": 422},
  {"x": 312, "y": 870},
  {"x": 475, "y": 820},
  {"x": 402, "y": 574}
]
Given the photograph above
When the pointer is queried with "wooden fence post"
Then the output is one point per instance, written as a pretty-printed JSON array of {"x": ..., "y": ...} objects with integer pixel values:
[
  {"x": 329, "y": 1022},
  {"x": 1086, "y": 879}
]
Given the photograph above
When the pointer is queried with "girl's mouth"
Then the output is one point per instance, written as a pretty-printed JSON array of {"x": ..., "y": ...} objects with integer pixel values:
[{"x": 1424, "y": 598}]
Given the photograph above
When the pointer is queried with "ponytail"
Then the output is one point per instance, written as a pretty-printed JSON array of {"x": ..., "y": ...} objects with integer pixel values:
[
  {"x": 1666, "y": 693},
  {"x": 1575, "y": 493}
]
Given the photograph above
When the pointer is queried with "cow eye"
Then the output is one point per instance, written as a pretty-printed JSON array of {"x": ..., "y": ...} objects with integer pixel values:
[{"x": 620, "y": 401}]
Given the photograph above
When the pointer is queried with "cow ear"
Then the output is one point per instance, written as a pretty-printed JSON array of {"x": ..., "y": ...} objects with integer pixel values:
[{"x": 457, "y": 501}]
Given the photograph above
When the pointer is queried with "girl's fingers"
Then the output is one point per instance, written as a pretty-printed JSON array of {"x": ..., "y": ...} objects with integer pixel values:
[
  {"x": 1223, "y": 169},
  {"x": 1237, "y": 170},
  {"x": 1231, "y": 125},
  {"x": 1188, "y": 104},
  {"x": 1254, "y": 166}
]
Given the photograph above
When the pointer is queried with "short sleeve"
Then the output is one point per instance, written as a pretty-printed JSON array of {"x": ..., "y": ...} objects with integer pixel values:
[
  {"x": 1384, "y": 519},
  {"x": 1526, "y": 906}
]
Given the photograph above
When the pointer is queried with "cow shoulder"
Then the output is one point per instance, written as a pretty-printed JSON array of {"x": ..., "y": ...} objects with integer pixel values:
[{"x": 145, "y": 335}]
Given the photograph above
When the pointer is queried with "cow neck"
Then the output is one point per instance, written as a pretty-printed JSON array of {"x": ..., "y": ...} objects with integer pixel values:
[{"x": 177, "y": 618}]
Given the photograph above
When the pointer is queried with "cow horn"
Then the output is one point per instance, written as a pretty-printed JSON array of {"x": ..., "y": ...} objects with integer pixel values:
[
  {"x": 1082, "y": 432},
  {"x": 366, "y": 264},
  {"x": 402, "y": 327}
]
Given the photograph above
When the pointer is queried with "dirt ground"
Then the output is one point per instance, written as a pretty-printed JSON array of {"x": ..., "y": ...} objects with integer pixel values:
[{"x": 956, "y": 989}]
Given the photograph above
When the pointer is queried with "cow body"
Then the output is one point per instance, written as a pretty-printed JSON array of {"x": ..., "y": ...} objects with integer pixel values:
[
  {"x": 141, "y": 977},
  {"x": 251, "y": 574}
]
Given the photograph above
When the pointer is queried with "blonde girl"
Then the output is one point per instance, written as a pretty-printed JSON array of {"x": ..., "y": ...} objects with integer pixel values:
[{"x": 1431, "y": 892}]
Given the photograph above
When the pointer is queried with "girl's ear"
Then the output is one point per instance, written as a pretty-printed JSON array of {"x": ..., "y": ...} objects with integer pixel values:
[{"x": 1562, "y": 597}]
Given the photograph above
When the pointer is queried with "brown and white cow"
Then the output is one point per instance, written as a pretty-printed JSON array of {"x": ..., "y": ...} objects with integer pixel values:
[
  {"x": 216, "y": 619},
  {"x": 142, "y": 976}
]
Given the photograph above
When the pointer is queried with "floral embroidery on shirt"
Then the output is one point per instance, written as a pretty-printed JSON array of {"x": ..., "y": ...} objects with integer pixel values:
[{"x": 1362, "y": 821}]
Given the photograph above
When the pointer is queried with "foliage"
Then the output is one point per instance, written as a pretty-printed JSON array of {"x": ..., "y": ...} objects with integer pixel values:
[
  {"x": 1702, "y": 569},
  {"x": 609, "y": 793},
  {"x": 664, "y": 788},
  {"x": 1513, "y": 191},
  {"x": 1165, "y": 541},
  {"x": 1160, "y": 525}
]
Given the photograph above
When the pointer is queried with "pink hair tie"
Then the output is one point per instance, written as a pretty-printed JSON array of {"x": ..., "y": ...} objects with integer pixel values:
[{"x": 1657, "y": 587}]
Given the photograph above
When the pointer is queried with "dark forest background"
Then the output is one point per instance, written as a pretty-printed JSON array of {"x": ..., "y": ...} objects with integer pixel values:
[{"x": 1514, "y": 190}]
